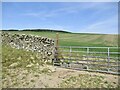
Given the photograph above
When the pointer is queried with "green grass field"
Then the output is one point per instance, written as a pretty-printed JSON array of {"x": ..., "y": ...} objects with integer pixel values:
[
  {"x": 78, "y": 39},
  {"x": 18, "y": 64}
]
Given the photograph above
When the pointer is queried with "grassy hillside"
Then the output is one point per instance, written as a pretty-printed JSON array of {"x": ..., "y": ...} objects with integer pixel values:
[
  {"x": 77, "y": 39},
  {"x": 23, "y": 69}
]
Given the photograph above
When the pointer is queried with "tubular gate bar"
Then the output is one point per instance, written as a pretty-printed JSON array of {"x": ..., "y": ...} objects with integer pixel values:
[{"x": 100, "y": 59}]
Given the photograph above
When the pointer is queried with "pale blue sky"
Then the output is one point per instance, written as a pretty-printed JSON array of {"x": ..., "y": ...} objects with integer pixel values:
[{"x": 82, "y": 17}]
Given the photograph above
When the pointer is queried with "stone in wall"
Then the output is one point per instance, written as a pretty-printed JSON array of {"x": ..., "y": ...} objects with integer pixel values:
[{"x": 43, "y": 45}]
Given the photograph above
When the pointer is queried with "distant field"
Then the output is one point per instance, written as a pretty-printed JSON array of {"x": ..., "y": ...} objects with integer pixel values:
[{"x": 78, "y": 39}]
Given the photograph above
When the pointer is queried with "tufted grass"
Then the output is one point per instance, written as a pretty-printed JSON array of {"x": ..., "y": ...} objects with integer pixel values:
[
  {"x": 23, "y": 57},
  {"x": 20, "y": 57},
  {"x": 12, "y": 55},
  {"x": 85, "y": 81}
]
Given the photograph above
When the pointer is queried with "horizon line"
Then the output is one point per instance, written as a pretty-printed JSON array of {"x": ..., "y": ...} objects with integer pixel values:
[{"x": 56, "y": 30}]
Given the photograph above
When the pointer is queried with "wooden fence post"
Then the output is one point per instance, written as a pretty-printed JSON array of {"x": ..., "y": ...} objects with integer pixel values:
[
  {"x": 57, "y": 40},
  {"x": 56, "y": 52},
  {"x": 57, "y": 46}
]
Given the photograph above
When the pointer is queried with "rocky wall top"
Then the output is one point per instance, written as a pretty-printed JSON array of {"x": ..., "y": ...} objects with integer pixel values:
[{"x": 43, "y": 45}]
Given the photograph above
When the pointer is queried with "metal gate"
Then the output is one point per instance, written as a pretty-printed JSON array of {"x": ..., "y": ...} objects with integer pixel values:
[{"x": 101, "y": 59}]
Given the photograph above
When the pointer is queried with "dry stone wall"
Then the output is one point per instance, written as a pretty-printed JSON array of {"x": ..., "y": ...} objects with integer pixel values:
[{"x": 44, "y": 46}]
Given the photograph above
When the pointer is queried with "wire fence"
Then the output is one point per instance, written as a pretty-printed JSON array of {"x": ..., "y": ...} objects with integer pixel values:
[{"x": 101, "y": 59}]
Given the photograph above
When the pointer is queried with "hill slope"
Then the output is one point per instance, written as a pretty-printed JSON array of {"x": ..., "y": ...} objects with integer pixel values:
[{"x": 77, "y": 39}]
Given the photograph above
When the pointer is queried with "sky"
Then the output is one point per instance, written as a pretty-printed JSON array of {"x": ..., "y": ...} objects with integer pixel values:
[{"x": 78, "y": 17}]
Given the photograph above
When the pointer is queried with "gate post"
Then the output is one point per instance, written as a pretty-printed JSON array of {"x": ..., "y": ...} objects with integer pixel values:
[
  {"x": 57, "y": 42},
  {"x": 57, "y": 39},
  {"x": 69, "y": 63},
  {"x": 87, "y": 57},
  {"x": 56, "y": 51},
  {"x": 108, "y": 59}
]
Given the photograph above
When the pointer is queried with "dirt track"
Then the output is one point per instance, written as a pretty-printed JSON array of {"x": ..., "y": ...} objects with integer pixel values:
[{"x": 47, "y": 77}]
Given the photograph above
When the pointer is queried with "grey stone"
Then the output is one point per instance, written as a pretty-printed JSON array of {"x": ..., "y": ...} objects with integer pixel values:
[{"x": 44, "y": 46}]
